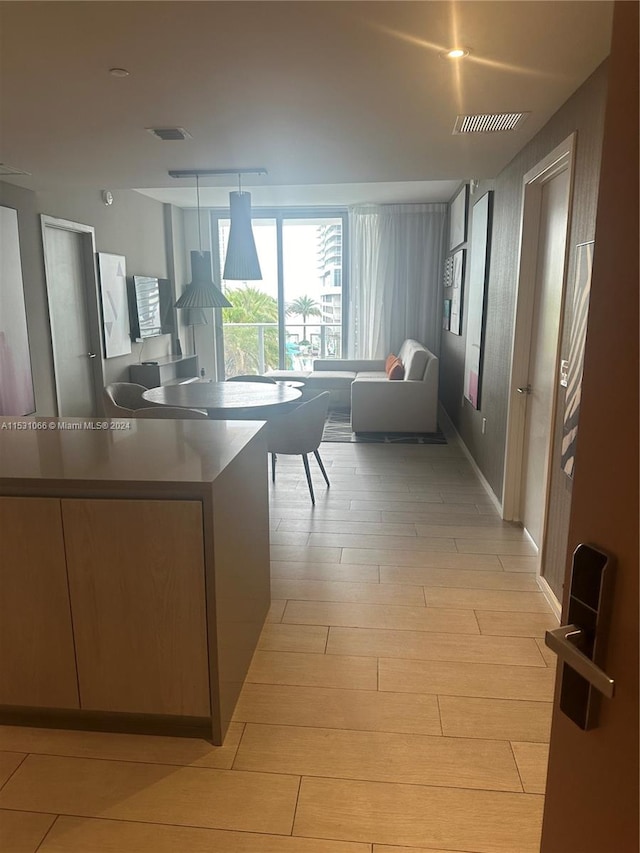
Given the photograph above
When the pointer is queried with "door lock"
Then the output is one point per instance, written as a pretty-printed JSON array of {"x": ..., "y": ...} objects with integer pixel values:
[
  {"x": 581, "y": 644},
  {"x": 524, "y": 389}
]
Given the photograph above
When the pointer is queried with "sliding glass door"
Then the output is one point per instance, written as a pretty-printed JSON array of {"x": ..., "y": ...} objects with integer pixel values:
[{"x": 295, "y": 313}]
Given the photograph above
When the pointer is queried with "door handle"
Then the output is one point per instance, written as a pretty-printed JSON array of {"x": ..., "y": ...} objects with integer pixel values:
[
  {"x": 581, "y": 643},
  {"x": 524, "y": 389},
  {"x": 91, "y": 354},
  {"x": 564, "y": 641}
]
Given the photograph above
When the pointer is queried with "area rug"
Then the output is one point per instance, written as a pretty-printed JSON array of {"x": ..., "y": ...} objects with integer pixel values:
[{"x": 338, "y": 429}]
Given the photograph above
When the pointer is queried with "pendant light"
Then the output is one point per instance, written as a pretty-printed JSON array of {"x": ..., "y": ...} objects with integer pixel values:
[
  {"x": 241, "y": 263},
  {"x": 201, "y": 292}
]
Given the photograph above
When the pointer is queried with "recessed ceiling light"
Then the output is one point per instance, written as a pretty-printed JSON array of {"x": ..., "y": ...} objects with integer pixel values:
[
  {"x": 455, "y": 53},
  {"x": 118, "y": 72}
]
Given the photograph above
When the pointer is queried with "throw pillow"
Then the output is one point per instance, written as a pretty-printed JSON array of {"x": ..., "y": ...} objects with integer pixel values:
[
  {"x": 397, "y": 370},
  {"x": 389, "y": 362}
]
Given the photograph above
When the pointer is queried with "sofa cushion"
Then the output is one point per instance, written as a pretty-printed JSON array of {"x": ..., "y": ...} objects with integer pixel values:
[
  {"x": 291, "y": 375},
  {"x": 328, "y": 379},
  {"x": 342, "y": 364},
  {"x": 414, "y": 356},
  {"x": 396, "y": 371},
  {"x": 365, "y": 375},
  {"x": 389, "y": 362}
]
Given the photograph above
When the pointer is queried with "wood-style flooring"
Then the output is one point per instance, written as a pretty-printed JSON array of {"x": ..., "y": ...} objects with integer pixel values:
[{"x": 399, "y": 702}]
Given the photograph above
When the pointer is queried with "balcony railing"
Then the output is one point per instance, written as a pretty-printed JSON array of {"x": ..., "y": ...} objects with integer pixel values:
[{"x": 253, "y": 347}]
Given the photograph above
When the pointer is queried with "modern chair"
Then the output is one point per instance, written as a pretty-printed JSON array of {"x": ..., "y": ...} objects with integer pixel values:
[
  {"x": 121, "y": 399},
  {"x": 172, "y": 412},
  {"x": 298, "y": 433},
  {"x": 251, "y": 377}
]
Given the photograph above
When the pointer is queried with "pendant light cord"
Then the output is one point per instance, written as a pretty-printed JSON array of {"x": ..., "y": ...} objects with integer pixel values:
[{"x": 198, "y": 203}]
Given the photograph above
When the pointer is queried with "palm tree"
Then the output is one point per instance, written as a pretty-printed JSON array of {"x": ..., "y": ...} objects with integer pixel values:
[
  {"x": 249, "y": 305},
  {"x": 304, "y": 306}
]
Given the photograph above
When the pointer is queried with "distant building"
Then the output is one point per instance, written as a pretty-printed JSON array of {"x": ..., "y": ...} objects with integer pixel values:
[{"x": 330, "y": 269}]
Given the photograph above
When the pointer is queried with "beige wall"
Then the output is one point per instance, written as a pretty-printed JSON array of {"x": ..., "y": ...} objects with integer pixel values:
[
  {"x": 132, "y": 226},
  {"x": 584, "y": 113}
]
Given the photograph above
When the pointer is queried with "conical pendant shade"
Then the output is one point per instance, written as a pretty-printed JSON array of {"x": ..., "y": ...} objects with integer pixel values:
[
  {"x": 202, "y": 292},
  {"x": 241, "y": 263}
]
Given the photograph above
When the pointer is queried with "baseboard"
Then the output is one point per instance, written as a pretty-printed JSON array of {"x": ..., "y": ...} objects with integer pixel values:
[
  {"x": 550, "y": 596},
  {"x": 450, "y": 431}
]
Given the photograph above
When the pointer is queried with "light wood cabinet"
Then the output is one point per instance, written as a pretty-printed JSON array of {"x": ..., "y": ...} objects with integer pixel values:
[
  {"x": 134, "y": 575},
  {"x": 37, "y": 661},
  {"x": 136, "y": 581}
]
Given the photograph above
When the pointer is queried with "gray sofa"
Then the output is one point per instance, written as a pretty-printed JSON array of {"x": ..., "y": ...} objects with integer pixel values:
[{"x": 379, "y": 404}]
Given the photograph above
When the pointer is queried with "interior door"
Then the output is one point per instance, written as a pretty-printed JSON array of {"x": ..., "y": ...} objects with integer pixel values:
[
  {"x": 591, "y": 803},
  {"x": 70, "y": 283},
  {"x": 541, "y": 384}
]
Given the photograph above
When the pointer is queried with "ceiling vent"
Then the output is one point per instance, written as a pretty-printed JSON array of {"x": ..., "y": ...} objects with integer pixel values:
[
  {"x": 5, "y": 169},
  {"x": 169, "y": 134},
  {"x": 489, "y": 123}
]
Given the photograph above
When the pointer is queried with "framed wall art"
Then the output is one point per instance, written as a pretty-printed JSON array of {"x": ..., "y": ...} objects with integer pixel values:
[
  {"x": 446, "y": 315},
  {"x": 16, "y": 383},
  {"x": 448, "y": 271},
  {"x": 457, "y": 292},
  {"x": 458, "y": 218},
  {"x": 115, "y": 305},
  {"x": 478, "y": 282},
  {"x": 577, "y": 339}
]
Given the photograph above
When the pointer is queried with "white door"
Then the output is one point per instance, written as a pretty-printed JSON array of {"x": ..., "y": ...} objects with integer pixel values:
[
  {"x": 540, "y": 389},
  {"x": 70, "y": 282}
]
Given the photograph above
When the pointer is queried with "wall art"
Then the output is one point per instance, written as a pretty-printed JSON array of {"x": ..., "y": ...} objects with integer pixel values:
[
  {"x": 457, "y": 292},
  {"x": 479, "y": 256},
  {"x": 115, "y": 306},
  {"x": 577, "y": 338},
  {"x": 458, "y": 218},
  {"x": 16, "y": 383}
]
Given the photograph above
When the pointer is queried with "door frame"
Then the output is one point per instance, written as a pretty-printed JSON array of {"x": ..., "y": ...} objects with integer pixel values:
[
  {"x": 92, "y": 317},
  {"x": 562, "y": 157}
]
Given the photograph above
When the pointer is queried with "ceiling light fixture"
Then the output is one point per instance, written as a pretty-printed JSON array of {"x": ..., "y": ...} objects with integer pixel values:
[
  {"x": 241, "y": 263},
  {"x": 201, "y": 292}
]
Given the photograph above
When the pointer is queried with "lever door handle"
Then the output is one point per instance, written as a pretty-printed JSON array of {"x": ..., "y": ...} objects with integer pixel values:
[
  {"x": 563, "y": 641},
  {"x": 524, "y": 389},
  {"x": 91, "y": 354}
]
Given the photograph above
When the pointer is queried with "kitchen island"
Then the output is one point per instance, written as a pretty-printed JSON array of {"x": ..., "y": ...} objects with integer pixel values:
[{"x": 134, "y": 572}]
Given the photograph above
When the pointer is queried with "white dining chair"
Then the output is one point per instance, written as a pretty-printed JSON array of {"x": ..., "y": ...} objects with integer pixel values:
[{"x": 298, "y": 433}]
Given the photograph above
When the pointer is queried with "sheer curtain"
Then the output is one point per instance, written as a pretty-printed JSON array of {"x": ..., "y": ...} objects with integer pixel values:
[{"x": 395, "y": 282}]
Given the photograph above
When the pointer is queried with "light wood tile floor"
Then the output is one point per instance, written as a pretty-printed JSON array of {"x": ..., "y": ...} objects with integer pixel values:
[{"x": 399, "y": 701}]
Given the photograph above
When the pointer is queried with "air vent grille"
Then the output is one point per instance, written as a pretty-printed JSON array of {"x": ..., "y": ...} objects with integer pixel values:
[
  {"x": 489, "y": 123},
  {"x": 169, "y": 134}
]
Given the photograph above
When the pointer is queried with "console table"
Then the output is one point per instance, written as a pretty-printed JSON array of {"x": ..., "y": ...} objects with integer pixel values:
[
  {"x": 131, "y": 595},
  {"x": 167, "y": 370}
]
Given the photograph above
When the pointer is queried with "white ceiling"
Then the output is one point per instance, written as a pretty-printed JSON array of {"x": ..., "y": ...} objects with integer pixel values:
[{"x": 342, "y": 93}]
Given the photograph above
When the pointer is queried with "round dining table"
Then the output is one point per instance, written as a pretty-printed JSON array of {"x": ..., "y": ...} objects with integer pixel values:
[{"x": 225, "y": 400}]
